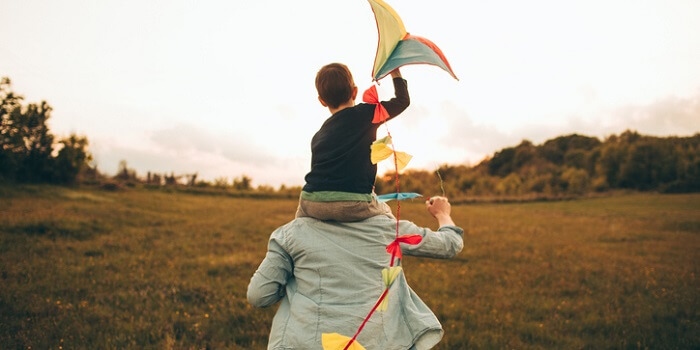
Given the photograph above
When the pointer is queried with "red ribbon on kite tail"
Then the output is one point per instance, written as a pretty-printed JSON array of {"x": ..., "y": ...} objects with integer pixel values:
[
  {"x": 380, "y": 113},
  {"x": 395, "y": 249}
]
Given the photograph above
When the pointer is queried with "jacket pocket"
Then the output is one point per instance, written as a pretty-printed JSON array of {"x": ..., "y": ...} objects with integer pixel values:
[{"x": 303, "y": 323}]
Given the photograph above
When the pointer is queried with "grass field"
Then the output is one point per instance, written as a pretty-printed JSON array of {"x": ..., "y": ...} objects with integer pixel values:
[{"x": 84, "y": 268}]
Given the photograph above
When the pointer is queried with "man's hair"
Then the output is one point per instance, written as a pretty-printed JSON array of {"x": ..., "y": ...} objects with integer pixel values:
[{"x": 334, "y": 84}]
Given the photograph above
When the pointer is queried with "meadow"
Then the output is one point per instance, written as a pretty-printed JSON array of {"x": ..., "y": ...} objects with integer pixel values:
[{"x": 84, "y": 268}]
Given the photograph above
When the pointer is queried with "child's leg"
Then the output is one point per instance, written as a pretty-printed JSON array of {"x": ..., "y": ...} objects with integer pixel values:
[
  {"x": 344, "y": 211},
  {"x": 380, "y": 208}
]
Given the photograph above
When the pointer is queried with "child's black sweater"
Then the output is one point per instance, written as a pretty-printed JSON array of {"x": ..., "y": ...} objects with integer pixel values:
[{"x": 340, "y": 150}]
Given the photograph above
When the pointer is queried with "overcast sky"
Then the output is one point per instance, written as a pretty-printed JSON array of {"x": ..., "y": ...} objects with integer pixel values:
[{"x": 225, "y": 88}]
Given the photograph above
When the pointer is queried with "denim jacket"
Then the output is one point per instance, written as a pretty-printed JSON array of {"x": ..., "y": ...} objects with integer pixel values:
[{"x": 328, "y": 276}]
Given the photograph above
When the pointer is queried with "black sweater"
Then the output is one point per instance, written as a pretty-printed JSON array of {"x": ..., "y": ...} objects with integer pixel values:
[{"x": 340, "y": 150}]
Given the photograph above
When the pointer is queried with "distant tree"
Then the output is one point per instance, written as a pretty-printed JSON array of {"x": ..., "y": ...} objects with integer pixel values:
[
  {"x": 26, "y": 141},
  {"x": 221, "y": 182},
  {"x": 510, "y": 185},
  {"x": 265, "y": 189},
  {"x": 125, "y": 173},
  {"x": 242, "y": 183},
  {"x": 72, "y": 159},
  {"x": 525, "y": 153},
  {"x": 611, "y": 157},
  {"x": 27, "y": 146},
  {"x": 576, "y": 181},
  {"x": 9, "y": 102},
  {"x": 502, "y": 162},
  {"x": 555, "y": 150},
  {"x": 192, "y": 179},
  {"x": 541, "y": 183},
  {"x": 171, "y": 179}
]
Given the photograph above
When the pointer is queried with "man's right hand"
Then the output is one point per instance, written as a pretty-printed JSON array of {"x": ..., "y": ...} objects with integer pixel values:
[{"x": 440, "y": 208}]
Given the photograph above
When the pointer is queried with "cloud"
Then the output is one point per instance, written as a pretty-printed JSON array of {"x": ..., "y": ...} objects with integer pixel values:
[
  {"x": 476, "y": 140},
  {"x": 667, "y": 116},
  {"x": 208, "y": 166},
  {"x": 664, "y": 117},
  {"x": 186, "y": 149},
  {"x": 237, "y": 147}
]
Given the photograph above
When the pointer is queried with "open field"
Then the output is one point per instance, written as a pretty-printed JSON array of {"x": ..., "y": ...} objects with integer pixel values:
[{"x": 84, "y": 268}]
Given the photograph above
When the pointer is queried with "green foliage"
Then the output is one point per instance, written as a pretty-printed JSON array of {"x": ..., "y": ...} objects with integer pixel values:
[
  {"x": 243, "y": 183},
  {"x": 72, "y": 159},
  {"x": 571, "y": 165},
  {"x": 27, "y": 146}
]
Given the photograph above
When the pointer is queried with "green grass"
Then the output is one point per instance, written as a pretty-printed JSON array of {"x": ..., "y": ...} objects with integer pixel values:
[{"x": 84, "y": 268}]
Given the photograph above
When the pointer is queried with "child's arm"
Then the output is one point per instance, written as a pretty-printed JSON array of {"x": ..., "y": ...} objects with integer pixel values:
[
  {"x": 267, "y": 285},
  {"x": 401, "y": 99}
]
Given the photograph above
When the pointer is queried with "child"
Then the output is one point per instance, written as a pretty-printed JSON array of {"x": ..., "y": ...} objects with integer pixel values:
[{"x": 340, "y": 184}]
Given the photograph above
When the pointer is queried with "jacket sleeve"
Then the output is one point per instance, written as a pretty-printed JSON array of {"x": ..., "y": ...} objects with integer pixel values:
[
  {"x": 401, "y": 99},
  {"x": 267, "y": 286},
  {"x": 444, "y": 243}
]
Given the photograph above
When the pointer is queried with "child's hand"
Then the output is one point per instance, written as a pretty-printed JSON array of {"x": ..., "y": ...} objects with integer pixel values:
[
  {"x": 396, "y": 73},
  {"x": 440, "y": 208}
]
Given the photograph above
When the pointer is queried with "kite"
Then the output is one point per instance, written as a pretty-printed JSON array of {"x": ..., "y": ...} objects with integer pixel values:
[{"x": 397, "y": 48}]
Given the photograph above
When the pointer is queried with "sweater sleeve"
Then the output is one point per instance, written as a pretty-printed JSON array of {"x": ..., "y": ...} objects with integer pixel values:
[
  {"x": 267, "y": 285},
  {"x": 401, "y": 99},
  {"x": 444, "y": 243}
]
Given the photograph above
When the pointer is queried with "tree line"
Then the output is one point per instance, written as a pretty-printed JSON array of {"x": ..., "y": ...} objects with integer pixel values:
[{"x": 568, "y": 165}]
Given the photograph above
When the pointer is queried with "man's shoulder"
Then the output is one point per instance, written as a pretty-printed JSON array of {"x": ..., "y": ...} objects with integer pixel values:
[{"x": 302, "y": 223}]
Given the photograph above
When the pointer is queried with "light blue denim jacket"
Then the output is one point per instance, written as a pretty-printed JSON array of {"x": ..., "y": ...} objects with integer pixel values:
[{"x": 328, "y": 276}]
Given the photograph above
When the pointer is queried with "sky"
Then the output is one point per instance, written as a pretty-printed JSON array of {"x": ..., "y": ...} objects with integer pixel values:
[{"x": 226, "y": 88}]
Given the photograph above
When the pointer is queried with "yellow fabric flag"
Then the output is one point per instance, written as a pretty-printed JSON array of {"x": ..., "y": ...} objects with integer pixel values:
[
  {"x": 402, "y": 159},
  {"x": 335, "y": 341},
  {"x": 380, "y": 151},
  {"x": 388, "y": 276}
]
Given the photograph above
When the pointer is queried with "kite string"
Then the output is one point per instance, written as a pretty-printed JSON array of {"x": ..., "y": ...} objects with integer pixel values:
[
  {"x": 376, "y": 305},
  {"x": 442, "y": 183}
]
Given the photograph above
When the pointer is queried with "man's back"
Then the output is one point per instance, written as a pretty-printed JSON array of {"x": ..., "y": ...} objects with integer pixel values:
[{"x": 328, "y": 275}]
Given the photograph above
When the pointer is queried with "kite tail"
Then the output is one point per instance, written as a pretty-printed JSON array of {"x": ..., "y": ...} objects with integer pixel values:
[
  {"x": 393, "y": 248},
  {"x": 398, "y": 190},
  {"x": 381, "y": 298}
]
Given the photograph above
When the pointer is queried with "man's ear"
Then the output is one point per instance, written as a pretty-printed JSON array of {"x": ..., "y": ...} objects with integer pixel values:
[
  {"x": 354, "y": 93},
  {"x": 323, "y": 103}
]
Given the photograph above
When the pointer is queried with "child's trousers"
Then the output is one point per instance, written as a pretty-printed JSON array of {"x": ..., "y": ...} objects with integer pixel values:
[{"x": 344, "y": 211}]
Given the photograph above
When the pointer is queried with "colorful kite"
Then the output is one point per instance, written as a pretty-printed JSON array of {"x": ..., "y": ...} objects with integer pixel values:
[{"x": 397, "y": 48}]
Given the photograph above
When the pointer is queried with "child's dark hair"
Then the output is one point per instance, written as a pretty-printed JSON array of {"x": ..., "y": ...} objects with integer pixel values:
[{"x": 334, "y": 84}]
